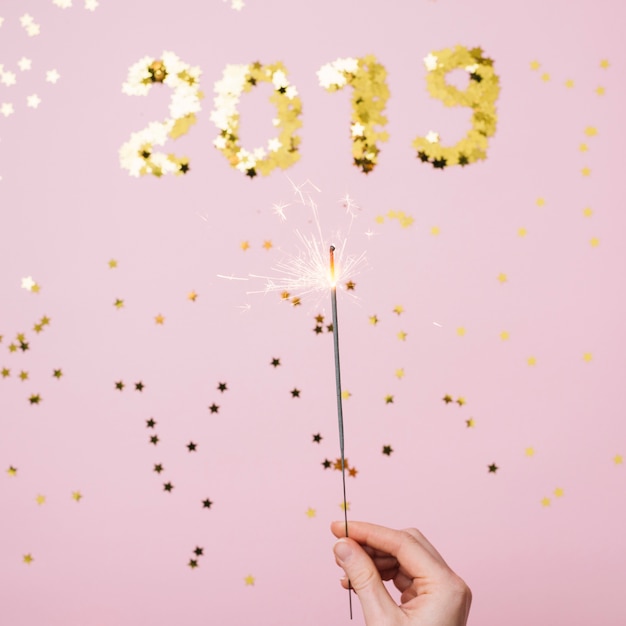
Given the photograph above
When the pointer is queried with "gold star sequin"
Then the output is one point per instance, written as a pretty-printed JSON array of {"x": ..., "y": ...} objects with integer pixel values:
[
  {"x": 267, "y": 244},
  {"x": 569, "y": 83},
  {"x": 5, "y": 372},
  {"x": 522, "y": 232},
  {"x": 119, "y": 303},
  {"x": 401, "y": 335},
  {"x": 604, "y": 64},
  {"x": 545, "y": 501},
  {"x": 379, "y": 219},
  {"x": 618, "y": 459},
  {"x": 112, "y": 264},
  {"x": 535, "y": 65},
  {"x": 12, "y": 471},
  {"x": 23, "y": 375},
  {"x": 531, "y": 360},
  {"x": 529, "y": 451},
  {"x": 583, "y": 147},
  {"x": 558, "y": 492},
  {"x": 249, "y": 580},
  {"x": 28, "y": 559},
  {"x": 540, "y": 201},
  {"x": 460, "y": 401},
  {"x": 600, "y": 91},
  {"x": 435, "y": 230},
  {"x": 77, "y": 496},
  {"x": 587, "y": 212},
  {"x": 545, "y": 77},
  {"x": 344, "y": 506},
  {"x": 159, "y": 319},
  {"x": 400, "y": 373},
  {"x": 505, "y": 335},
  {"x": 310, "y": 512},
  {"x": 192, "y": 295},
  {"x": 470, "y": 423},
  {"x": 345, "y": 394},
  {"x": 244, "y": 245},
  {"x": 398, "y": 309},
  {"x": 502, "y": 278},
  {"x": 373, "y": 320},
  {"x": 460, "y": 331},
  {"x": 40, "y": 499},
  {"x": 587, "y": 356},
  {"x": 594, "y": 242},
  {"x": 591, "y": 131},
  {"x": 586, "y": 171}
]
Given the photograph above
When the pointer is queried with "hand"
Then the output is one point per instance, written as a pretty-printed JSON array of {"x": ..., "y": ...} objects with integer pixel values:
[{"x": 432, "y": 594}]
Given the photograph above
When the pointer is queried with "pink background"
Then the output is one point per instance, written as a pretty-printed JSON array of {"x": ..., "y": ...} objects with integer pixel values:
[{"x": 119, "y": 556}]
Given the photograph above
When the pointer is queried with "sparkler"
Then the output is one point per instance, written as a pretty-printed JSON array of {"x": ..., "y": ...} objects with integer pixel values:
[{"x": 333, "y": 300}]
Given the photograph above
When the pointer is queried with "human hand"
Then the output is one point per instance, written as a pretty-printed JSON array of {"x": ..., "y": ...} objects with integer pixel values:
[{"x": 432, "y": 594}]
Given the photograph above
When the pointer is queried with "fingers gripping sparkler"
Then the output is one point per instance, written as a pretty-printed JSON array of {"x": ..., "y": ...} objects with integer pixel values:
[{"x": 333, "y": 299}]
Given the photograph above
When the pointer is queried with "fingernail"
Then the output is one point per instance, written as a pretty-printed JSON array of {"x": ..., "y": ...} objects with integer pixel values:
[{"x": 343, "y": 550}]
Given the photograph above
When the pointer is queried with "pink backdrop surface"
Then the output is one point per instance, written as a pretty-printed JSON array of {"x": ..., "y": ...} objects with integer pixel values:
[{"x": 504, "y": 292}]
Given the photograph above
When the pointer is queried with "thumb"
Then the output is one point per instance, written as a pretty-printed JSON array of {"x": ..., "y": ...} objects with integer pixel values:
[{"x": 360, "y": 570}]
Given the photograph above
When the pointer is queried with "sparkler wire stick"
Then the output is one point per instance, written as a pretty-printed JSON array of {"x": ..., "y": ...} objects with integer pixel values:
[{"x": 333, "y": 299}]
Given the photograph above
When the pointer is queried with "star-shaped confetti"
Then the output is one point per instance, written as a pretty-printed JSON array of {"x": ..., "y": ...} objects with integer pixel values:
[
  {"x": 470, "y": 423},
  {"x": 295, "y": 392},
  {"x": 119, "y": 303},
  {"x": 249, "y": 580},
  {"x": 28, "y": 559},
  {"x": 387, "y": 450},
  {"x": 40, "y": 499},
  {"x": 493, "y": 468},
  {"x": 12, "y": 471},
  {"x": 119, "y": 385},
  {"x": 206, "y": 503},
  {"x": 192, "y": 295},
  {"x": 214, "y": 408},
  {"x": 310, "y": 512},
  {"x": 52, "y": 76},
  {"x": 447, "y": 399},
  {"x": 545, "y": 501},
  {"x": 58, "y": 373},
  {"x": 275, "y": 362},
  {"x": 192, "y": 447},
  {"x": 326, "y": 464},
  {"x": 77, "y": 496},
  {"x": 158, "y": 468},
  {"x": 168, "y": 487},
  {"x": 222, "y": 387},
  {"x": 139, "y": 386},
  {"x": 317, "y": 438},
  {"x": 159, "y": 319},
  {"x": 35, "y": 398}
]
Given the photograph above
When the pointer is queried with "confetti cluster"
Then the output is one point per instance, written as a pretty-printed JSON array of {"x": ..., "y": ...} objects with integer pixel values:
[
  {"x": 137, "y": 156},
  {"x": 368, "y": 79},
  {"x": 282, "y": 151},
  {"x": 481, "y": 96}
]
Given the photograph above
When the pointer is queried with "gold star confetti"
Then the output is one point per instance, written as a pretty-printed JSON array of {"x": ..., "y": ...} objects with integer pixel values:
[
  {"x": 600, "y": 91},
  {"x": 447, "y": 399},
  {"x": 249, "y": 580},
  {"x": 618, "y": 459},
  {"x": 435, "y": 230},
  {"x": 594, "y": 242},
  {"x": 587, "y": 356},
  {"x": 591, "y": 131},
  {"x": 460, "y": 401},
  {"x": 545, "y": 501},
  {"x": 192, "y": 295},
  {"x": 460, "y": 331},
  {"x": 470, "y": 423},
  {"x": 402, "y": 335},
  {"x": 529, "y": 452},
  {"x": 569, "y": 83},
  {"x": 23, "y": 375},
  {"x": 531, "y": 360},
  {"x": 118, "y": 304},
  {"x": 545, "y": 77},
  {"x": 400, "y": 373},
  {"x": 522, "y": 232},
  {"x": 244, "y": 245},
  {"x": 502, "y": 278},
  {"x": 112, "y": 264},
  {"x": 159, "y": 319},
  {"x": 388, "y": 399},
  {"x": 5, "y": 372},
  {"x": 28, "y": 559},
  {"x": 40, "y": 499},
  {"x": 310, "y": 512},
  {"x": 77, "y": 496},
  {"x": 344, "y": 506},
  {"x": 540, "y": 201},
  {"x": 12, "y": 471},
  {"x": 29, "y": 284},
  {"x": 586, "y": 171},
  {"x": 558, "y": 492},
  {"x": 373, "y": 320},
  {"x": 267, "y": 244},
  {"x": 583, "y": 147},
  {"x": 505, "y": 335},
  {"x": 535, "y": 65},
  {"x": 379, "y": 219},
  {"x": 345, "y": 394},
  {"x": 398, "y": 309},
  {"x": 57, "y": 373}
]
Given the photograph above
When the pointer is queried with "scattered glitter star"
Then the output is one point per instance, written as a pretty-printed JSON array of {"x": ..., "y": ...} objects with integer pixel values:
[
  {"x": 295, "y": 392},
  {"x": 191, "y": 446},
  {"x": 158, "y": 468},
  {"x": 545, "y": 501},
  {"x": 398, "y": 309},
  {"x": 206, "y": 504},
  {"x": 33, "y": 101},
  {"x": 545, "y": 77},
  {"x": 493, "y": 468},
  {"x": 587, "y": 212},
  {"x": 40, "y": 499},
  {"x": 249, "y": 580},
  {"x": 345, "y": 394},
  {"x": 12, "y": 471},
  {"x": 326, "y": 464},
  {"x": 387, "y": 450},
  {"x": 112, "y": 263},
  {"x": 401, "y": 335},
  {"x": 192, "y": 295},
  {"x": 470, "y": 423},
  {"x": 24, "y": 64},
  {"x": 222, "y": 387},
  {"x": 535, "y": 65},
  {"x": 583, "y": 147},
  {"x": 502, "y": 278},
  {"x": 558, "y": 492},
  {"x": 91, "y": 5},
  {"x": 460, "y": 401},
  {"x": 35, "y": 398},
  {"x": 618, "y": 459},
  {"x": 310, "y": 512},
  {"x": 139, "y": 386},
  {"x": 587, "y": 356},
  {"x": 344, "y": 506},
  {"x": 52, "y": 76},
  {"x": 118, "y": 304},
  {"x": 317, "y": 438},
  {"x": 447, "y": 399},
  {"x": 435, "y": 230},
  {"x": 505, "y": 335},
  {"x": 28, "y": 558},
  {"x": 198, "y": 551},
  {"x": 214, "y": 408},
  {"x": 77, "y": 496},
  {"x": 120, "y": 385},
  {"x": 522, "y": 232},
  {"x": 540, "y": 201},
  {"x": 23, "y": 375},
  {"x": 569, "y": 83},
  {"x": 531, "y": 360},
  {"x": 193, "y": 563},
  {"x": 154, "y": 439},
  {"x": 159, "y": 319},
  {"x": 399, "y": 373},
  {"x": 600, "y": 91},
  {"x": 585, "y": 171},
  {"x": 244, "y": 245},
  {"x": 57, "y": 374},
  {"x": 5, "y": 372},
  {"x": 350, "y": 285},
  {"x": 267, "y": 245},
  {"x": 460, "y": 331},
  {"x": 6, "y": 108},
  {"x": 604, "y": 64},
  {"x": 168, "y": 487},
  {"x": 373, "y": 320},
  {"x": 594, "y": 242},
  {"x": 275, "y": 362},
  {"x": 28, "y": 283},
  {"x": 591, "y": 131},
  {"x": 529, "y": 452}
]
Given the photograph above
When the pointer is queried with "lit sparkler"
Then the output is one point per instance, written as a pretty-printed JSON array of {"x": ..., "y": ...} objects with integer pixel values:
[{"x": 333, "y": 300}]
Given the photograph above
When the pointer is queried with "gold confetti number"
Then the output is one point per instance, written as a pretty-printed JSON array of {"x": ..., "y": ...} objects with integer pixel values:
[
  {"x": 368, "y": 78},
  {"x": 137, "y": 155},
  {"x": 481, "y": 96},
  {"x": 282, "y": 151}
]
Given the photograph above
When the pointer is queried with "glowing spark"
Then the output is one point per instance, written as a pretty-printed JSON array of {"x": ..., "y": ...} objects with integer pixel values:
[
  {"x": 279, "y": 209},
  {"x": 231, "y": 277}
]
